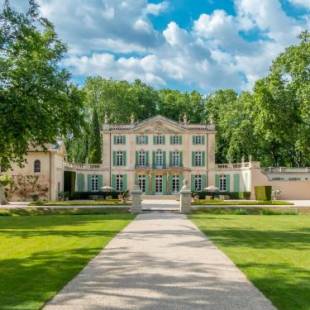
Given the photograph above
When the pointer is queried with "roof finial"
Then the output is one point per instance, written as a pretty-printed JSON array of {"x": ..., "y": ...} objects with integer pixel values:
[
  {"x": 185, "y": 119},
  {"x": 106, "y": 119},
  {"x": 132, "y": 119}
]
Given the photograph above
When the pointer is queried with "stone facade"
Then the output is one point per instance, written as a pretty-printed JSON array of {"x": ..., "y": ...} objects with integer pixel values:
[{"x": 157, "y": 154}]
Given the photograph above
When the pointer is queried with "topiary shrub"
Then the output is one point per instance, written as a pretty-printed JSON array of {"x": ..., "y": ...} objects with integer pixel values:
[{"x": 263, "y": 193}]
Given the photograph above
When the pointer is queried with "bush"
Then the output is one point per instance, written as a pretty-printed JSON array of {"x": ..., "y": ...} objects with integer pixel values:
[
  {"x": 94, "y": 195},
  {"x": 263, "y": 193},
  {"x": 232, "y": 195}
]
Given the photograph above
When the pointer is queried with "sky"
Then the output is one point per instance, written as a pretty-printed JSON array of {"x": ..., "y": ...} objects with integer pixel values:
[{"x": 181, "y": 44}]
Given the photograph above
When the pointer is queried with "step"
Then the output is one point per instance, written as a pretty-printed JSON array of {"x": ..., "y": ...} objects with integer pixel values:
[{"x": 160, "y": 197}]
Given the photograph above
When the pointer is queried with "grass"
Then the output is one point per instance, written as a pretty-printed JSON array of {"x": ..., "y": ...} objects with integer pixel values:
[
  {"x": 105, "y": 202},
  {"x": 40, "y": 254},
  {"x": 241, "y": 202},
  {"x": 273, "y": 252}
]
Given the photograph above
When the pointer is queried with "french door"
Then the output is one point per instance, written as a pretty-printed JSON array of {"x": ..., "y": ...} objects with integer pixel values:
[{"x": 158, "y": 184}]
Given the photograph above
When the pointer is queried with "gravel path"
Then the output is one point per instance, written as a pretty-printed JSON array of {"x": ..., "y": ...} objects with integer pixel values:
[{"x": 160, "y": 261}]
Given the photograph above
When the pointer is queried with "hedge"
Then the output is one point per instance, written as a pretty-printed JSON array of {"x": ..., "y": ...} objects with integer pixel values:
[
  {"x": 263, "y": 193},
  {"x": 93, "y": 195},
  {"x": 232, "y": 195}
]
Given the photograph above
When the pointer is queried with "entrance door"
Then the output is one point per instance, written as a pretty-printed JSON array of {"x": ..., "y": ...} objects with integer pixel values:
[{"x": 159, "y": 184}]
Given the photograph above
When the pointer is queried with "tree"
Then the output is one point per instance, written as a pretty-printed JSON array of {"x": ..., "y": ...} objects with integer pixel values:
[
  {"x": 94, "y": 154},
  {"x": 37, "y": 102}
]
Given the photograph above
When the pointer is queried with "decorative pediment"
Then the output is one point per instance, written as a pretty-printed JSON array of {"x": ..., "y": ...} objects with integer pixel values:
[{"x": 159, "y": 125}]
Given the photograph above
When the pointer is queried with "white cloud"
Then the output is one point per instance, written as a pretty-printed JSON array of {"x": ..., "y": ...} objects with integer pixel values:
[{"x": 116, "y": 38}]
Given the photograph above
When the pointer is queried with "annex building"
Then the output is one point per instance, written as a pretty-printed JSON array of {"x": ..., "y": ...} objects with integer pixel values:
[{"x": 158, "y": 154}]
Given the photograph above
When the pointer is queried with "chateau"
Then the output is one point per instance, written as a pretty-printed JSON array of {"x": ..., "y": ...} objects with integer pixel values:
[{"x": 158, "y": 154}]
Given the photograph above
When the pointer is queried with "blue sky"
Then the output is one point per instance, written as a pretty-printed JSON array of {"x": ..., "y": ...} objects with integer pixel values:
[{"x": 183, "y": 44}]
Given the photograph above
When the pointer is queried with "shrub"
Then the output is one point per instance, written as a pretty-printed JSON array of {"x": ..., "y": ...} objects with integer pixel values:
[
  {"x": 263, "y": 192},
  {"x": 94, "y": 195}
]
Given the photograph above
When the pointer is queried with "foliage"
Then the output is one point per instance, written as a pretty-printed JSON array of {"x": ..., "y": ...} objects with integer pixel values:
[
  {"x": 105, "y": 202},
  {"x": 37, "y": 103},
  {"x": 272, "y": 251},
  {"x": 40, "y": 254},
  {"x": 263, "y": 193},
  {"x": 95, "y": 153},
  {"x": 5, "y": 179}
]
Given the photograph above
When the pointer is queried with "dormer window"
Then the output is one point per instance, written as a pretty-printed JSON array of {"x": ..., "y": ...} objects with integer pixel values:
[{"x": 37, "y": 166}]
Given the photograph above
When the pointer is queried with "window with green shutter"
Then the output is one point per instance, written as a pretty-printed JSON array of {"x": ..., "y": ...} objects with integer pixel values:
[
  {"x": 119, "y": 139},
  {"x": 80, "y": 182},
  {"x": 236, "y": 183},
  {"x": 198, "y": 139}
]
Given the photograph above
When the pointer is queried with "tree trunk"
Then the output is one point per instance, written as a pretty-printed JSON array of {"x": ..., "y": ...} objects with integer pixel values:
[{"x": 3, "y": 200}]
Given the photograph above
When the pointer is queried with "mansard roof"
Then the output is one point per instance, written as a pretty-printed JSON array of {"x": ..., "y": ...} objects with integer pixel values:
[{"x": 161, "y": 119}]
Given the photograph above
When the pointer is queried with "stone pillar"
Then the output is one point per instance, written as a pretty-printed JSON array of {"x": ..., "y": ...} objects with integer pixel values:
[
  {"x": 136, "y": 194},
  {"x": 185, "y": 198}
]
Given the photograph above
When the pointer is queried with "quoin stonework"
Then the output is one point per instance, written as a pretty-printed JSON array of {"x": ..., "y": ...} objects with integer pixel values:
[{"x": 157, "y": 154}]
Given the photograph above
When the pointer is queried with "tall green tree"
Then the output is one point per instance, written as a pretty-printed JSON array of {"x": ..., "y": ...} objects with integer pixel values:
[
  {"x": 37, "y": 102},
  {"x": 94, "y": 151}
]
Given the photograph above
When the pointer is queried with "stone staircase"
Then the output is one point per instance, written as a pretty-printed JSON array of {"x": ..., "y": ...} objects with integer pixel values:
[{"x": 160, "y": 197}]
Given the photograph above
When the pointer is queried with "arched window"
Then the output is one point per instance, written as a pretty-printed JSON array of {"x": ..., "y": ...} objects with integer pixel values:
[{"x": 37, "y": 166}]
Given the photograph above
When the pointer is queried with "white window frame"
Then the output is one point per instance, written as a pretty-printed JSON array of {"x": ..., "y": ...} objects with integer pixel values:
[
  {"x": 119, "y": 158},
  {"x": 141, "y": 139},
  {"x": 158, "y": 184},
  {"x": 142, "y": 158},
  {"x": 94, "y": 183},
  {"x": 119, "y": 139},
  {"x": 159, "y": 158},
  {"x": 223, "y": 183},
  {"x": 198, "y": 183},
  {"x": 175, "y": 139},
  {"x": 160, "y": 139},
  {"x": 197, "y": 139},
  {"x": 142, "y": 183},
  {"x": 175, "y": 184},
  {"x": 119, "y": 182},
  {"x": 175, "y": 158},
  {"x": 198, "y": 159}
]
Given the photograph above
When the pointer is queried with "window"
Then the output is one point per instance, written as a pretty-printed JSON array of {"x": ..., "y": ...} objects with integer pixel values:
[
  {"x": 142, "y": 159},
  {"x": 159, "y": 139},
  {"x": 94, "y": 183},
  {"x": 159, "y": 159},
  {"x": 119, "y": 140},
  {"x": 198, "y": 159},
  {"x": 119, "y": 182},
  {"x": 37, "y": 166},
  {"x": 198, "y": 183},
  {"x": 120, "y": 158},
  {"x": 175, "y": 184},
  {"x": 142, "y": 183},
  {"x": 175, "y": 159},
  {"x": 141, "y": 139},
  {"x": 176, "y": 140},
  {"x": 223, "y": 183},
  {"x": 198, "y": 140}
]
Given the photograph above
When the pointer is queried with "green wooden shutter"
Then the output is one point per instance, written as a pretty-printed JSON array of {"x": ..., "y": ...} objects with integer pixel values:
[
  {"x": 114, "y": 139},
  {"x": 124, "y": 158},
  {"x": 170, "y": 158},
  {"x": 164, "y": 159},
  {"x": 180, "y": 181},
  {"x": 147, "y": 158},
  {"x": 147, "y": 140},
  {"x": 114, "y": 181},
  {"x": 171, "y": 137},
  {"x": 137, "y": 158},
  {"x": 236, "y": 183},
  {"x": 164, "y": 184},
  {"x": 153, "y": 159},
  {"x": 153, "y": 185},
  {"x": 124, "y": 140},
  {"x": 181, "y": 159},
  {"x": 203, "y": 140},
  {"x": 80, "y": 182},
  {"x": 193, "y": 183},
  {"x": 193, "y": 159},
  {"x": 193, "y": 140},
  {"x": 203, "y": 181},
  {"x": 136, "y": 179},
  {"x": 217, "y": 181},
  {"x": 114, "y": 158},
  {"x": 89, "y": 183},
  {"x": 227, "y": 183},
  {"x": 170, "y": 184},
  {"x": 124, "y": 182},
  {"x": 137, "y": 138},
  {"x": 203, "y": 159},
  {"x": 180, "y": 140},
  {"x": 164, "y": 140},
  {"x": 100, "y": 182},
  {"x": 154, "y": 138},
  {"x": 147, "y": 185}
]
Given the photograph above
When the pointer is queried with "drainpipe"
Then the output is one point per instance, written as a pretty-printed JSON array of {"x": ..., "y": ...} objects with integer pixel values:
[{"x": 110, "y": 167}]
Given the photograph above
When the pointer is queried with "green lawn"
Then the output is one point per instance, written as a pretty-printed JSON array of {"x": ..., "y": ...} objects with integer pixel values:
[
  {"x": 40, "y": 254},
  {"x": 272, "y": 250},
  {"x": 219, "y": 202}
]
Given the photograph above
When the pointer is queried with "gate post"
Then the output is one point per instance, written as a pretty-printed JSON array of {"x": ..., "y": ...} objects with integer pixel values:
[
  {"x": 136, "y": 194},
  {"x": 185, "y": 198}
]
